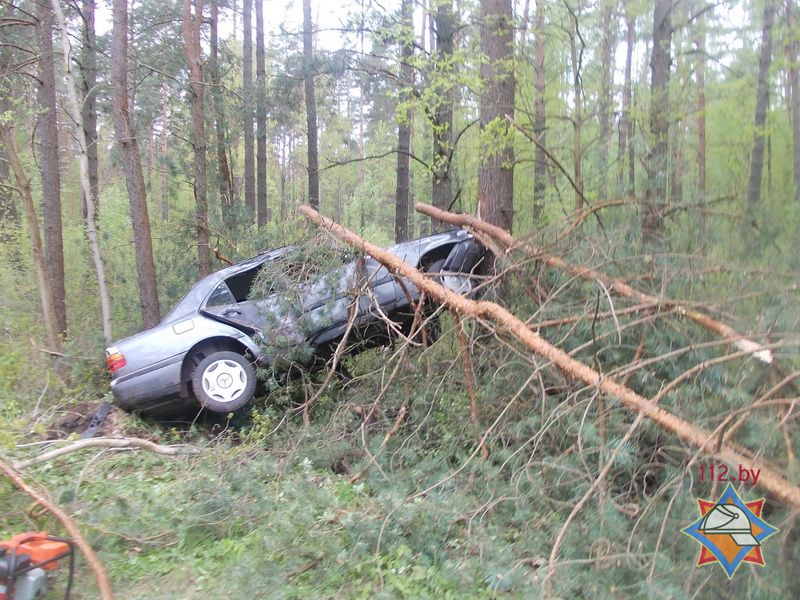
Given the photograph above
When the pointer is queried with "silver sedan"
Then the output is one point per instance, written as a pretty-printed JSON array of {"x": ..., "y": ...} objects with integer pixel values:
[{"x": 206, "y": 350}]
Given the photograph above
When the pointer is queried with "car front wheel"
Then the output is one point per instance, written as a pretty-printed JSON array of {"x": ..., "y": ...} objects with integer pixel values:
[{"x": 224, "y": 381}]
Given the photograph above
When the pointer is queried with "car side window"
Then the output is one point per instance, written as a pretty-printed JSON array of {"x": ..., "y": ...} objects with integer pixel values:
[{"x": 221, "y": 296}]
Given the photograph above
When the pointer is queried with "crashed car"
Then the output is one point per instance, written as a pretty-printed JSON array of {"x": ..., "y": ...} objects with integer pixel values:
[{"x": 206, "y": 351}]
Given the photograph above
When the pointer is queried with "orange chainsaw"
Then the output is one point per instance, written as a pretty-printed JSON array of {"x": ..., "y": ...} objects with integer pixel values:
[{"x": 25, "y": 560}]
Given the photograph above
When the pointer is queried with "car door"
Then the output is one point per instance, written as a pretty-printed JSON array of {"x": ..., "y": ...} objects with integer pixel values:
[{"x": 271, "y": 319}]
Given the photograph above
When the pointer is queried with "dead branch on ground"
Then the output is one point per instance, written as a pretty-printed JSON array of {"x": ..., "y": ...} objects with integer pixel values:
[{"x": 117, "y": 443}]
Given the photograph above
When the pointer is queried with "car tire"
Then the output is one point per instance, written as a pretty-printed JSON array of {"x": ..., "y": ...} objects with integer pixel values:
[{"x": 224, "y": 382}]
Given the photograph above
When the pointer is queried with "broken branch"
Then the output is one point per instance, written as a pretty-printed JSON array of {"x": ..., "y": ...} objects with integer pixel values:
[
  {"x": 614, "y": 284},
  {"x": 105, "y": 443},
  {"x": 770, "y": 479}
]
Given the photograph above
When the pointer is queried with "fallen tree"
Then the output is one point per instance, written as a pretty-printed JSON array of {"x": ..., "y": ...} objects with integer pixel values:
[
  {"x": 704, "y": 441},
  {"x": 613, "y": 284}
]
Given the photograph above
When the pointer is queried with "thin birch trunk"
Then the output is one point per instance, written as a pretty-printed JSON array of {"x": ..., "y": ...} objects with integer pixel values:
[
  {"x": 89, "y": 191},
  {"x": 24, "y": 189}
]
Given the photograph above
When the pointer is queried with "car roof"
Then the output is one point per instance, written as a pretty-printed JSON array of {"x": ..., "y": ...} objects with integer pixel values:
[{"x": 194, "y": 297}]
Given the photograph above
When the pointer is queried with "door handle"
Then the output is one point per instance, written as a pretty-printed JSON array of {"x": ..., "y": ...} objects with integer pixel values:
[{"x": 232, "y": 312}]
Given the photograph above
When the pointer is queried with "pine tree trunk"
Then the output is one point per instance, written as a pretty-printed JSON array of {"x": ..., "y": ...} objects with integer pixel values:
[
  {"x": 165, "y": 153},
  {"x": 700, "y": 119},
  {"x": 284, "y": 169},
  {"x": 762, "y": 105},
  {"x": 50, "y": 167},
  {"x": 576, "y": 55},
  {"x": 88, "y": 187},
  {"x": 191, "y": 37},
  {"x": 625, "y": 129},
  {"x": 539, "y": 116},
  {"x": 9, "y": 217},
  {"x": 223, "y": 168},
  {"x": 362, "y": 149},
  {"x": 406, "y": 80},
  {"x": 678, "y": 125},
  {"x": 311, "y": 107},
  {"x": 658, "y": 167},
  {"x": 261, "y": 119},
  {"x": 132, "y": 166},
  {"x": 496, "y": 173},
  {"x": 442, "y": 122},
  {"x": 39, "y": 260},
  {"x": 89, "y": 106},
  {"x": 608, "y": 19},
  {"x": 794, "y": 87},
  {"x": 247, "y": 110}
]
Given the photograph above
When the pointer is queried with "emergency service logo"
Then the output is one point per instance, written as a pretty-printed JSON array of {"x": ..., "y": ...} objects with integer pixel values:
[{"x": 730, "y": 531}]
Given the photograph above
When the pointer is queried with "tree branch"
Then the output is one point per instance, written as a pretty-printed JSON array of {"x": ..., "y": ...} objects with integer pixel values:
[
  {"x": 106, "y": 443},
  {"x": 91, "y": 558}
]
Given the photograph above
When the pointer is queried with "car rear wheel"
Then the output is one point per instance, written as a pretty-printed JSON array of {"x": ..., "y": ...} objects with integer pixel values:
[{"x": 224, "y": 381}]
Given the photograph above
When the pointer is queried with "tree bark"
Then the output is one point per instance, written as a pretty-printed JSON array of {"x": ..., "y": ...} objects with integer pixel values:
[
  {"x": 678, "y": 124},
  {"x": 284, "y": 171},
  {"x": 89, "y": 106},
  {"x": 576, "y": 55},
  {"x": 132, "y": 166},
  {"x": 405, "y": 116},
  {"x": 191, "y": 37},
  {"x": 699, "y": 438},
  {"x": 247, "y": 110},
  {"x": 625, "y": 129},
  {"x": 609, "y": 24},
  {"x": 496, "y": 173},
  {"x": 362, "y": 148},
  {"x": 9, "y": 217},
  {"x": 311, "y": 106},
  {"x": 37, "y": 248},
  {"x": 539, "y": 116},
  {"x": 794, "y": 87},
  {"x": 762, "y": 105},
  {"x": 442, "y": 114},
  {"x": 700, "y": 119},
  {"x": 88, "y": 187},
  {"x": 50, "y": 167},
  {"x": 225, "y": 180},
  {"x": 261, "y": 119},
  {"x": 165, "y": 152},
  {"x": 657, "y": 160}
]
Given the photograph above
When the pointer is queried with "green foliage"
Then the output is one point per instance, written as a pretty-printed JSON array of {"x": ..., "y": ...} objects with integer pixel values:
[{"x": 382, "y": 492}]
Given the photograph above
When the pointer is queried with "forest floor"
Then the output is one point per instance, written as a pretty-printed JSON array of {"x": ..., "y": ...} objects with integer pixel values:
[{"x": 382, "y": 491}]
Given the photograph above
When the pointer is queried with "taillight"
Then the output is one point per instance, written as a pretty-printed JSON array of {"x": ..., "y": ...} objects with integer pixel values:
[{"x": 115, "y": 360}]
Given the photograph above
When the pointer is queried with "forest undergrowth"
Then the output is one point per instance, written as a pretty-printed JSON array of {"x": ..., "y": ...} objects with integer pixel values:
[{"x": 400, "y": 484}]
